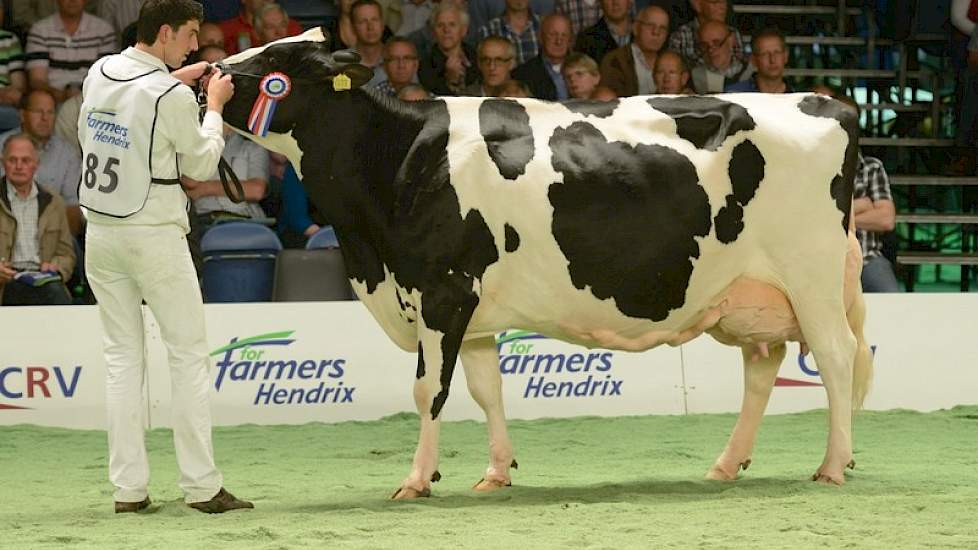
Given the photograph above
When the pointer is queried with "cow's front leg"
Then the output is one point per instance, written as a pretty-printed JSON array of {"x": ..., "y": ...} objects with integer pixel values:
[
  {"x": 480, "y": 359},
  {"x": 759, "y": 375},
  {"x": 441, "y": 328}
]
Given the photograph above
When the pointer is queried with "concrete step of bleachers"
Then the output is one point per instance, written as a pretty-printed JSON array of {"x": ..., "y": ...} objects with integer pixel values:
[
  {"x": 945, "y": 258},
  {"x": 938, "y": 218},
  {"x": 905, "y": 142},
  {"x": 906, "y": 180},
  {"x": 782, "y": 9},
  {"x": 899, "y": 107}
]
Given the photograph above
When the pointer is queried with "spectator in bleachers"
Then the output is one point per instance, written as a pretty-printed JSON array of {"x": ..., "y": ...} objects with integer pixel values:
[
  {"x": 239, "y": 32},
  {"x": 62, "y": 46},
  {"x": 250, "y": 162},
  {"x": 520, "y": 26},
  {"x": 582, "y": 14},
  {"x": 34, "y": 234},
  {"x": 496, "y": 60},
  {"x": 299, "y": 218},
  {"x": 400, "y": 65},
  {"x": 449, "y": 68},
  {"x": 769, "y": 55},
  {"x": 340, "y": 32},
  {"x": 368, "y": 25},
  {"x": 60, "y": 162},
  {"x": 391, "y": 10},
  {"x": 513, "y": 88},
  {"x": 119, "y": 13},
  {"x": 581, "y": 74},
  {"x": 413, "y": 92},
  {"x": 271, "y": 24},
  {"x": 628, "y": 70},
  {"x": 482, "y": 11},
  {"x": 671, "y": 74},
  {"x": 414, "y": 16},
  {"x": 542, "y": 73},
  {"x": 685, "y": 38},
  {"x": 720, "y": 68},
  {"x": 13, "y": 81},
  {"x": 210, "y": 34},
  {"x": 66, "y": 121},
  {"x": 612, "y": 31},
  {"x": 211, "y": 54}
]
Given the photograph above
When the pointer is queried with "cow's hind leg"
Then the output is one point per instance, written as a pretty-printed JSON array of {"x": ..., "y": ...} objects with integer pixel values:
[
  {"x": 480, "y": 359},
  {"x": 830, "y": 338},
  {"x": 759, "y": 375}
]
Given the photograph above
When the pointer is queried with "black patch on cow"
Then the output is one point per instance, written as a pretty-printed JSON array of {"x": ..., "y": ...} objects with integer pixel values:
[
  {"x": 626, "y": 217},
  {"x": 600, "y": 109},
  {"x": 512, "y": 238},
  {"x": 841, "y": 191},
  {"x": 420, "y": 373},
  {"x": 505, "y": 126},
  {"x": 746, "y": 170},
  {"x": 704, "y": 121}
]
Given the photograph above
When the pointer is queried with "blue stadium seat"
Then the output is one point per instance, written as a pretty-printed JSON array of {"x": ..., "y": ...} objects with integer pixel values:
[
  {"x": 239, "y": 262},
  {"x": 324, "y": 238}
]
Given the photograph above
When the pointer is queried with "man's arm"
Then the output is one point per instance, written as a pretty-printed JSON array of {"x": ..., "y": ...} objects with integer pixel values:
[
  {"x": 199, "y": 144},
  {"x": 878, "y": 216},
  {"x": 254, "y": 188}
]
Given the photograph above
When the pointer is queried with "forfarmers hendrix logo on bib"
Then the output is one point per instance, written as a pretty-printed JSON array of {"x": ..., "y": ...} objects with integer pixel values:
[
  {"x": 279, "y": 375},
  {"x": 556, "y": 375}
]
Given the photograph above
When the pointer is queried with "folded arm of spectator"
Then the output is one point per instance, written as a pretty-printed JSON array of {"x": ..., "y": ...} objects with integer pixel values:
[
  {"x": 295, "y": 205},
  {"x": 878, "y": 216},
  {"x": 254, "y": 188}
]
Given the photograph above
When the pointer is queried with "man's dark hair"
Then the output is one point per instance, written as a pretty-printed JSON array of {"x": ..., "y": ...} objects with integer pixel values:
[
  {"x": 156, "y": 13},
  {"x": 767, "y": 32}
]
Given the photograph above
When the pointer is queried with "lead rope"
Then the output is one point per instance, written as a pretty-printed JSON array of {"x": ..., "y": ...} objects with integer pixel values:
[{"x": 224, "y": 169}]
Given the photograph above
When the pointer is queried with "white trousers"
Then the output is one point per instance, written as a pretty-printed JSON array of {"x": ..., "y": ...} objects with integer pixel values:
[{"x": 127, "y": 264}]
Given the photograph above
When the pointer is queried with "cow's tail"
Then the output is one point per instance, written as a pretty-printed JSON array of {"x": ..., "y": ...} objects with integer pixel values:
[{"x": 862, "y": 371}]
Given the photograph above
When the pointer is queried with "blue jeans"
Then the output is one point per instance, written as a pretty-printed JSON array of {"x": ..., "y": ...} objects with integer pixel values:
[{"x": 878, "y": 276}]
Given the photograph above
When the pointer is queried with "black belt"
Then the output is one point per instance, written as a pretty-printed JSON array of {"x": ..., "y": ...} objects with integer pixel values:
[{"x": 165, "y": 181}]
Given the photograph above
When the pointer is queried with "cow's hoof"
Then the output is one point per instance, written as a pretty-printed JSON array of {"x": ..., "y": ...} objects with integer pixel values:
[
  {"x": 488, "y": 485},
  {"x": 721, "y": 473},
  {"x": 826, "y": 478},
  {"x": 407, "y": 493}
]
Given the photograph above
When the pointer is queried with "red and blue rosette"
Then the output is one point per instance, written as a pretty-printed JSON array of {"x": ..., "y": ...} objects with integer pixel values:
[{"x": 273, "y": 88}]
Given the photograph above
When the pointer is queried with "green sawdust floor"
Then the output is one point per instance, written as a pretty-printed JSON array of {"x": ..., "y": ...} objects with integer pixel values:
[{"x": 583, "y": 483}]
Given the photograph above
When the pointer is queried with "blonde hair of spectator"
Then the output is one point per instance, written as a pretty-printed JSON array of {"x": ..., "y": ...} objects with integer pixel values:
[
  {"x": 513, "y": 88},
  {"x": 578, "y": 60},
  {"x": 269, "y": 7}
]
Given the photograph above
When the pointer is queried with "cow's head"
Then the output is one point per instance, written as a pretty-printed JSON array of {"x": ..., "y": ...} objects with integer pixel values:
[{"x": 313, "y": 74}]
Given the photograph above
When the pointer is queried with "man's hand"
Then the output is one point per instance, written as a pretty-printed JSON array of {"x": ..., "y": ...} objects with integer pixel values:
[
  {"x": 50, "y": 268},
  {"x": 311, "y": 230},
  {"x": 192, "y": 187},
  {"x": 220, "y": 88},
  {"x": 190, "y": 74},
  {"x": 6, "y": 273}
]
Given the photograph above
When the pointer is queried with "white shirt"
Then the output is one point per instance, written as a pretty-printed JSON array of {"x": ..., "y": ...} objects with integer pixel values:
[
  {"x": 646, "y": 85},
  {"x": 198, "y": 148}
]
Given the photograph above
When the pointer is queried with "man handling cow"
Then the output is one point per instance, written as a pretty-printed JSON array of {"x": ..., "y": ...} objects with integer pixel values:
[{"x": 139, "y": 133}]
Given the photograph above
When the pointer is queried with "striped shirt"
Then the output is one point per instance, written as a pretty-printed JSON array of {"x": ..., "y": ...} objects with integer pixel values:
[
  {"x": 11, "y": 56},
  {"x": 582, "y": 13},
  {"x": 872, "y": 183},
  {"x": 527, "y": 44},
  {"x": 26, "y": 254},
  {"x": 68, "y": 57}
]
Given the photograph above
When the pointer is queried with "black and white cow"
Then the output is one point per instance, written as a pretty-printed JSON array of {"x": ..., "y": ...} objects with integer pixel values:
[{"x": 621, "y": 225}]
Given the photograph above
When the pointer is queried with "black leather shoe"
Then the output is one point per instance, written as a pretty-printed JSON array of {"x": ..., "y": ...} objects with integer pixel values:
[
  {"x": 222, "y": 502},
  {"x": 131, "y": 507}
]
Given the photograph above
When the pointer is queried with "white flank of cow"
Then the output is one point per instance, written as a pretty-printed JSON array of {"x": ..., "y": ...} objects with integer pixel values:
[{"x": 621, "y": 225}]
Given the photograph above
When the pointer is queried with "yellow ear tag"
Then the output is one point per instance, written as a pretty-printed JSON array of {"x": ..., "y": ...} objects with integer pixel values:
[{"x": 342, "y": 83}]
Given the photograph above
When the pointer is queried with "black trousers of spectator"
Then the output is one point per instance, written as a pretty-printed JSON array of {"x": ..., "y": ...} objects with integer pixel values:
[{"x": 51, "y": 294}]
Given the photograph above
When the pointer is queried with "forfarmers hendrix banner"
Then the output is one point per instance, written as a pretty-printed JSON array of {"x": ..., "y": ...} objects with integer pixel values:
[{"x": 328, "y": 362}]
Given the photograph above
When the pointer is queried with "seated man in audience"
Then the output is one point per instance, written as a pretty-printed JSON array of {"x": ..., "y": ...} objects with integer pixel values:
[
  {"x": 513, "y": 88},
  {"x": 250, "y": 162},
  {"x": 34, "y": 236},
  {"x": 368, "y": 25},
  {"x": 400, "y": 65},
  {"x": 685, "y": 38},
  {"x": 583, "y": 78},
  {"x": 210, "y": 34},
  {"x": 450, "y": 66},
  {"x": 239, "y": 32},
  {"x": 542, "y": 73},
  {"x": 628, "y": 70},
  {"x": 413, "y": 92},
  {"x": 496, "y": 58},
  {"x": 720, "y": 68},
  {"x": 60, "y": 167},
  {"x": 769, "y": 54},
  {"x": 520, "y": 26},
  {"x": 13, "y": 82},
  {"x": 612, "y": 31},
  {"x": 671, "y": 75},
  {"x": 271, "y": 24},
  {"x": 61, "y": 48}
]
